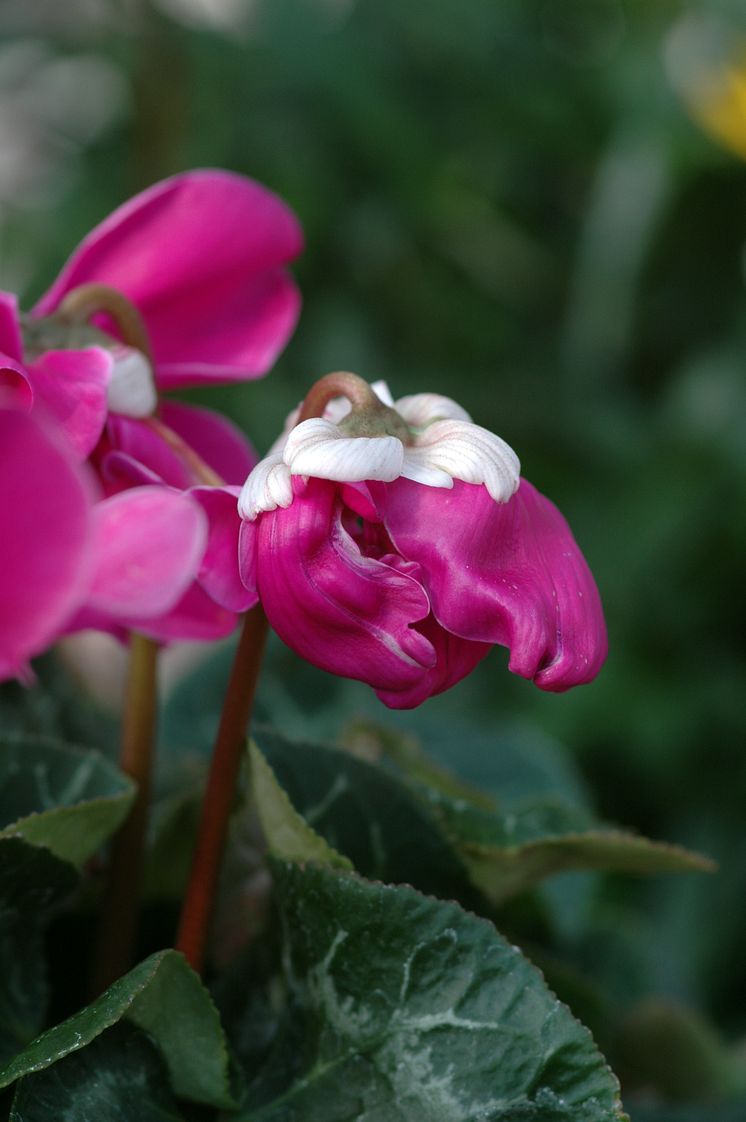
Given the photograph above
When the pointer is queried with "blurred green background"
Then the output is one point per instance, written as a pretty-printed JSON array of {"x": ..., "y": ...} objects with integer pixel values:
[{"x": 510, "y": 202}]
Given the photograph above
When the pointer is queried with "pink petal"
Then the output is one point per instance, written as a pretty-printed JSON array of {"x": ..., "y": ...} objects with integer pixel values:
[
  {"x": 11, "y": 343},
  {"x": 347, "y": 613},
  {"x": 72, "y": 385},
  {"x": 46, "y": 531},
  {"x": 202, "y": 257},
  {"x": 218, "y": 573},
  {"x": 195, "y": 616},
  {"x": 119, "y": 471},
  {"x": 16, "y": 391},
  {"x": 136, "y": 441},
  {"x": 149, "y": 543},
  {"x": 455, "y": 659},
  {"x": 219, "y": 442},
  {"x": 507, "y": 573}
]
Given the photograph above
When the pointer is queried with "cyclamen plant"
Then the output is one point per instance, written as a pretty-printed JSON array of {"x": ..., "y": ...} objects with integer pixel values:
[{"x": 393, "y": 542}]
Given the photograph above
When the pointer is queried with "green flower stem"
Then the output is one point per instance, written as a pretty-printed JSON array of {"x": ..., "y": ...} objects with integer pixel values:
[
  {"x": 118, "y": 923},
  {"x": 220, "y": 792}
]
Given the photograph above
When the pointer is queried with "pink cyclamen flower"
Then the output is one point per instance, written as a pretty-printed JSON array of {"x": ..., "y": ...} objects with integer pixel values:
[
  {"x": 396, "y": 543},
  {"x": 202, "y": 258},
  {"x": 185, "y": 284},
  {"x": 130, "y": 556}
]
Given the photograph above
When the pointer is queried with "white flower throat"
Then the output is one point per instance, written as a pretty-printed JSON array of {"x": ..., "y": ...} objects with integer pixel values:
[{"x": 438, "y": 443}]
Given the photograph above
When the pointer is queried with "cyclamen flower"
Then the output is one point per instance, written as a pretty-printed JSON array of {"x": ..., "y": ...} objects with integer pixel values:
[
  {"x": 396, "y": 543},
  {"x": 184, "y": 285},
  {"x": 131, "y": 556}
]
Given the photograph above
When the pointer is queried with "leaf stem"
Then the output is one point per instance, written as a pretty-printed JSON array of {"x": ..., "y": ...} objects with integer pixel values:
[
  {"x": 118, "y": 922},
  {"x": 220, "y": 791}
]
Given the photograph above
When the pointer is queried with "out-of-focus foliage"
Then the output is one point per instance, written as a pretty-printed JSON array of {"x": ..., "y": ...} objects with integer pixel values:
[{"x": 537, "y": 207}]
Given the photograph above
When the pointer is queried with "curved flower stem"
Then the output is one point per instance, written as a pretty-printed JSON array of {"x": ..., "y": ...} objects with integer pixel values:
[
  {"x": 368, "y": 416},
  {"x": 343, "y": 383},
  {"x": 220, "y": 792},
  {"x": 87, "y": 299},
  {"x": 118, "y": 923}
]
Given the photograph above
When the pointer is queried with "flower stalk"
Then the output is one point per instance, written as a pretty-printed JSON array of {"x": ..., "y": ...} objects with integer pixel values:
[
  {"x": 85, "y": 301},
  {"x": 368, "y": 416},
  {"x": 220, "y": 791},
  {"x": 118, "y": 922}
]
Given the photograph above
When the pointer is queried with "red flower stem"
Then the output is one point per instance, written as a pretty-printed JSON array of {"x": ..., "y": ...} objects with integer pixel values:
[
  {"x": 118, "y": 922},
  {"x": 220, "y": 792}
]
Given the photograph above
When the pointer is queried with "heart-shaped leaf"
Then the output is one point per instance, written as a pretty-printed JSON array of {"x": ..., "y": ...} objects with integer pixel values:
[
  {"x": 164, "y": 997},
  {"x": 406, "y": 1008},
  {"x": 120, "y": 1075},
  {"x": 367, "y": 814},
  {"x": 66, "y": 798},
  {"x": 288, "y": 835}
]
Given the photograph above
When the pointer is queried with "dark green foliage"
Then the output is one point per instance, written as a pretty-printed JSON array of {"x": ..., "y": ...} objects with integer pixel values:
[
  {"x": 164, "y": 997},
  {"x": 31, "y": 880},
  {"x": 413, "y": 1009},
  {"x": 119, "y": 1077},
  {"x": 66, "y": 798}
]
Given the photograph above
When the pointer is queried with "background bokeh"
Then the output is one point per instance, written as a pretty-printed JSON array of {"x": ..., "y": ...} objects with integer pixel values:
[{"x": 539, "y": 208}]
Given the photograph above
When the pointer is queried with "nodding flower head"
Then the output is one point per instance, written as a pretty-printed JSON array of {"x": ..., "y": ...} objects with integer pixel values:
[
  {"x": 362, "y": 434},
  {"x": 395, "y": 542}
]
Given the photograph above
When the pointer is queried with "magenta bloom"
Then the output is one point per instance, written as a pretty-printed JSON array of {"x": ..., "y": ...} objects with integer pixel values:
[
  {"x": 130, "y": 557},
  {"x": 202, "y": 256},
  {"x": 46, "y": 529},
  {"x": 400, "y": 558},
  {"x": 201, "y": 259},
  {"x": 132, "y": 453}
]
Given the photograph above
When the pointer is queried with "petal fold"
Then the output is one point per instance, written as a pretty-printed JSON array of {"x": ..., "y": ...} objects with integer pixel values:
[
  {"x": 16, "y": 390},
  {"x": 268, "y": 487},
  {"x": 347, "y": 613},
  {"x": 467, "y": 452},
  {"x": 317, "y": 447},
  {"x": 507, "y": 573},
  {"x": 218, "y": 572},
  {"x": 421, "y": 409}
]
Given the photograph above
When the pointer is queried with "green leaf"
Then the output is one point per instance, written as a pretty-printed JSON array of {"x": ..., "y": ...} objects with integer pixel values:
[
  {"x": 66, "y": 798},
  {"x": 367, "y": 814},
  {"x": 289, "y": 837},
  {"x": 509, "y": 852},
  {"x": 119, "y": 1077},
  {"x": 509, "y": 846},
  {"x": 408, "y": 1008},
  {"x": 507, "y": 761},
  {"x": 374, "y": 741},
  {"x": 164, "y": 997},
  {"x": 31, "y": 880}
]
